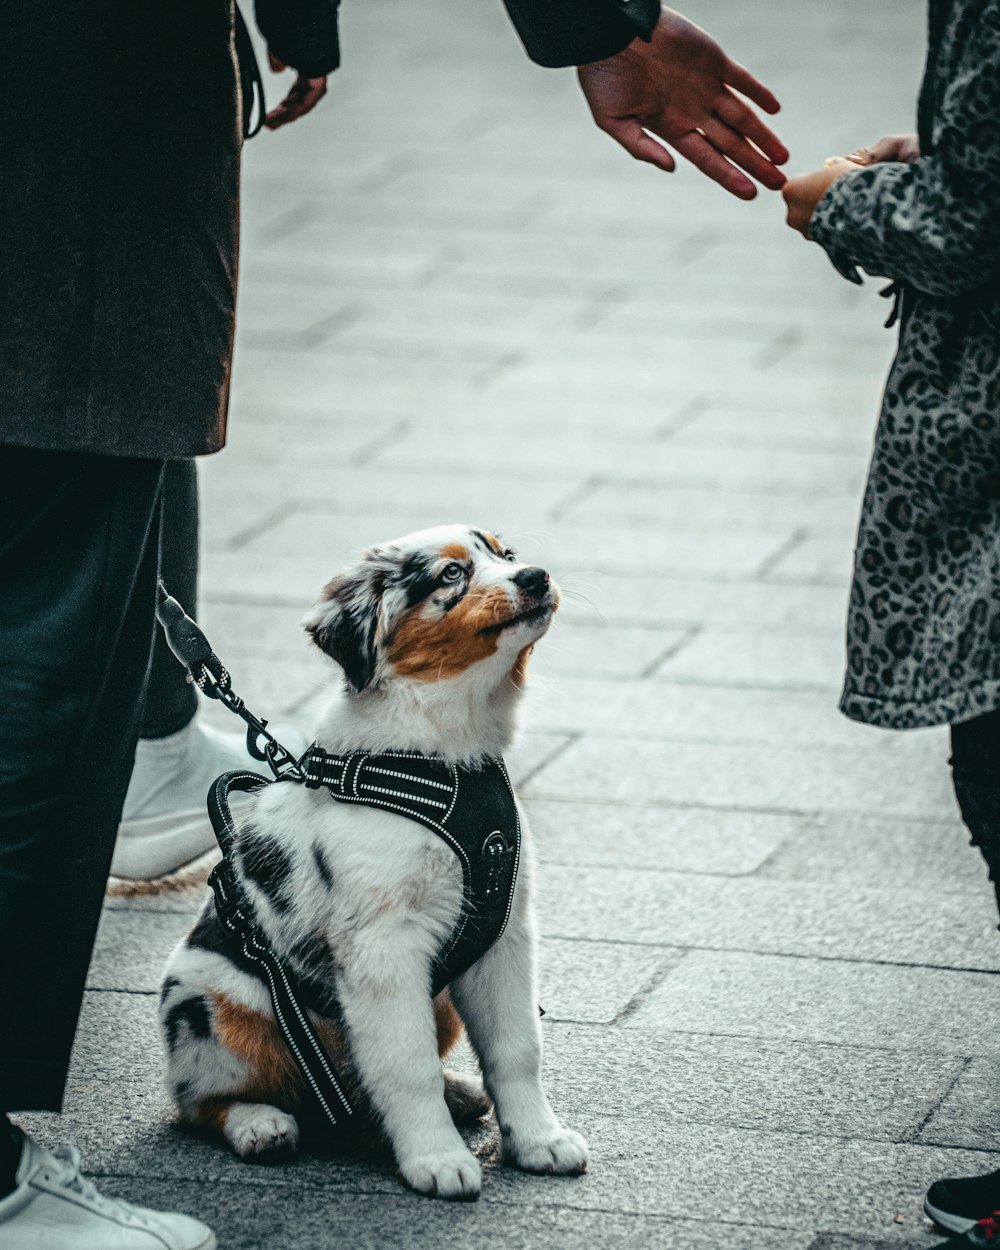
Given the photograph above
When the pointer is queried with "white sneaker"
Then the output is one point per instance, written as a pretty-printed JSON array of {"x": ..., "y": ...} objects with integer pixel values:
[
  {"x": 54, "y": 1208},
  {"x": 165, "y": 820}
]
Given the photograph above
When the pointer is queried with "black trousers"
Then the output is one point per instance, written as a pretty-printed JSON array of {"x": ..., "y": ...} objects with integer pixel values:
[
  {"x": 79, "y": 539},
  {"x": 975, "y": 769}
]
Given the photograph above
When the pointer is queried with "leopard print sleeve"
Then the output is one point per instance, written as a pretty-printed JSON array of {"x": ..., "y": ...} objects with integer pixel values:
[{"x": 932, "y": 224}]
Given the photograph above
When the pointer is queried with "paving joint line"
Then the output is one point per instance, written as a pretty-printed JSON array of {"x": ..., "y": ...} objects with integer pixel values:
[
  {"x": 573, "y": 498},
  {"x": 769, "y": 563},
  {"x": 548, "y": 759},
  {"x": 853, "y": 960},
  {"x": 966, "y": 1065},
  {"x": 651, "y": 983},
  {"x": 367, "y": 452},
  {"x": 670, "y": 652},
  {"x": 780, "y": 347},
  {"x": 260, "y": 525}
]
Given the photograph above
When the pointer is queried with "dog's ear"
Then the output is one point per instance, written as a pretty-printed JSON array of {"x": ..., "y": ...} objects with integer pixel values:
[{"x": 344, "y": 623}]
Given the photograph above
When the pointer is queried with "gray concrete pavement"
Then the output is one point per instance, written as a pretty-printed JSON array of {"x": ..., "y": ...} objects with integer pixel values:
[{"x": 768, "y": 955}]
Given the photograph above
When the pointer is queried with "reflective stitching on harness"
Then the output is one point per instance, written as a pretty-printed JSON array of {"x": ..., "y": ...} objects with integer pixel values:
[
  {"x": 400, "y": 794},
  {"x": 420, "y": 781}
]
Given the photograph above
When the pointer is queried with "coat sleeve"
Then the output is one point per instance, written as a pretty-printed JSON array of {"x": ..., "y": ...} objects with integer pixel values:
[
  {"x": 932, "y": 224},
  {"x": 302, "y": 33},
  {"x": 575, "y": 32}
]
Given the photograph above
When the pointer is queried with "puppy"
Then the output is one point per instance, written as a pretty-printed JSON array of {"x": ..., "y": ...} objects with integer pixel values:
[{"x": 433, "y": 633}]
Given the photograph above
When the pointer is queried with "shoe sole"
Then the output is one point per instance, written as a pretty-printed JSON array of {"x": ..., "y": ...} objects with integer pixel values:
[
  {"x": 154, "y": 847},
  {"x": 948, "y": 1220}
]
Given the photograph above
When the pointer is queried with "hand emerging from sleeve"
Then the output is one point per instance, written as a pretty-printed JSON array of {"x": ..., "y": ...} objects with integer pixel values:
[
  {"x": 303, "y": 96},
  {"x": 682, "y": 88},
  {"x": 803, "y": 192}
]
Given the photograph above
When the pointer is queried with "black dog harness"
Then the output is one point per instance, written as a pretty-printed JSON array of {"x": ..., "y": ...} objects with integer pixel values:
[{"x": 472, "y": 810}]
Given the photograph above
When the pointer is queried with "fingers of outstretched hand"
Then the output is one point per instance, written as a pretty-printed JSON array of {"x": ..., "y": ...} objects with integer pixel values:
[
  {"x": 303, "y": 97},
  {"x": 638, "y": 143},
  {"x": 741, "y": 117},
  {"x": 733, "y": 145},
  {"x": 739, "y": 76},
  {"x": 695, "y": 148}
]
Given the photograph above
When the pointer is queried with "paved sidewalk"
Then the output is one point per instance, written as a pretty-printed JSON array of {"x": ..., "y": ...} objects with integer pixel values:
[{"x": 769, "y": 958}]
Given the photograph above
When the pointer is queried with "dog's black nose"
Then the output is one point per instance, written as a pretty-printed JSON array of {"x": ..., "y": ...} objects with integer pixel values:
[{"x": 532, "y": 580}]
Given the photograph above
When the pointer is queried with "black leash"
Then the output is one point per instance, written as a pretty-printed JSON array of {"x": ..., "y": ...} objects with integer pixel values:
[
  {"x": 210, "y": 675},
  {"x": 251, "y": 83}
]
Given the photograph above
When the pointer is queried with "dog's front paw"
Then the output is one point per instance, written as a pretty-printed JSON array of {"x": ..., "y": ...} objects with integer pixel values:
[
  {"x": 562, "y": 1152},
  {"x": 257, "y": 1131},
  {"x": 445, "y": 1174}
]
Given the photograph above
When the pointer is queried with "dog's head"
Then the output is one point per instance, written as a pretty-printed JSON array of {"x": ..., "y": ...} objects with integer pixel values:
[{"x": 434, "y": 605}]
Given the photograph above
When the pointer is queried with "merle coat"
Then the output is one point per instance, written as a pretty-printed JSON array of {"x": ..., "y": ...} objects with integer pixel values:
[
  {"x": 119, "y": 194},
  {"x": 924, "y": 620}
]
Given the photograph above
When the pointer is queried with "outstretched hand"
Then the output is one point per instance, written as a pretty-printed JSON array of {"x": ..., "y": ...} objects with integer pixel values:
[{"x": 682, "y": 88}]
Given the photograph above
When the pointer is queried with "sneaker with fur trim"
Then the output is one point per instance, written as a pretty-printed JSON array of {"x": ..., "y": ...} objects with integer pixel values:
[{"x": 52, "y": 1207}]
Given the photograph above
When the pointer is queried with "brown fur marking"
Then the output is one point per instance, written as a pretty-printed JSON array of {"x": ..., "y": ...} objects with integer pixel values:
[
  {"x": 448, "y": 1022},
  {"x": 432, "y": 650},
  {"x": 455, "y": 551},
  {"x": 519, "y": 671}
]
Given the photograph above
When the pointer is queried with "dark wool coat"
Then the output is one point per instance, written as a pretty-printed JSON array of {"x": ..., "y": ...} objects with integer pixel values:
[
  {"x": 924, "y": 619},
  {"x": 119, "y": 190}
]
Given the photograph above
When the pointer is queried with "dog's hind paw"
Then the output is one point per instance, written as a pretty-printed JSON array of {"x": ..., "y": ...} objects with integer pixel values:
[
  {"x": 467, "y": 1101},
  {"x": 562, "y": 1153},
  {"x": 257, "y": 1131},
  {"x": 451, "y": 1174}
]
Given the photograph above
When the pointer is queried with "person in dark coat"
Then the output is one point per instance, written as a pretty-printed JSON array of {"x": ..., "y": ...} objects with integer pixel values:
[
  {"x": 923, "y": 634},
  {"x": 119, "y": 216}
]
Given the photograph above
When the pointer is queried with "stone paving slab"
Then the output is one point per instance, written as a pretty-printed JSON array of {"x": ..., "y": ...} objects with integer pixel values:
[
  {"x": 856, "y": 850},
  {"x": 659, "y": 839},
  {"x": 780, "y": 777},
  {"x": 675, "y": 1078},
  {"x": 755, "y": 914},
  {"x": 259, "y": 1217},
  {"x": 784, "y": 659},
  {"x": 698, "y": 713},
  {"x": 663, "y": 507},
  {"x": 843, "y": 1002}
]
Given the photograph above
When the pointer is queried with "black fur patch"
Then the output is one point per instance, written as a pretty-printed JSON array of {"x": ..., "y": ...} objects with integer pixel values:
[
  {"x": 171, "y": 983},
  {"x": 262, "y": 861},
  {"x": 322, "y": 867},
  {"x": 208, "y": 934},
  {"x": 194, "y": 1013},
  {"x": 348, "y": 633},
  {"x": 417, "y": 579}
]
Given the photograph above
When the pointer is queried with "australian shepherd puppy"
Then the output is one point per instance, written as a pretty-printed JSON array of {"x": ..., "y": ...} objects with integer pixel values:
[{"x": 433, "y": 632}]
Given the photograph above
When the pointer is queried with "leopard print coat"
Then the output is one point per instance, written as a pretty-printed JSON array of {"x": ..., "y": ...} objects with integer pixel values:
[{"x": 923, "y": 643}]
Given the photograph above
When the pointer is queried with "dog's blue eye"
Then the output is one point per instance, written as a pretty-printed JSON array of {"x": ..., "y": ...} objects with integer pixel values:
[
  {"x": 509, "y": 556},
  {"x": 452, "y": 573}
]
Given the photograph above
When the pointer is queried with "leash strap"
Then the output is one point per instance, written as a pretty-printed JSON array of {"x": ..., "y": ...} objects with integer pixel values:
[
  {"x": 236, "y": 915},
  {"x": 251, "y": 83}
]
